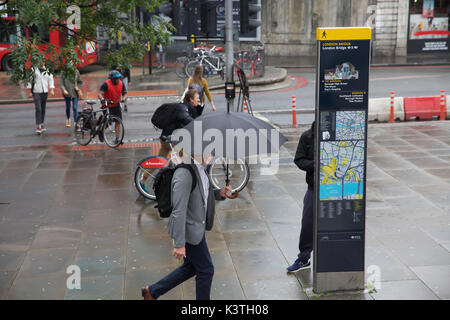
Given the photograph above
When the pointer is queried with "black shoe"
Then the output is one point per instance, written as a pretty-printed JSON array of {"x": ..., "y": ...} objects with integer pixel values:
[
  {"x": 298, "y": 265},
  {"x": 100, "y": 137}
]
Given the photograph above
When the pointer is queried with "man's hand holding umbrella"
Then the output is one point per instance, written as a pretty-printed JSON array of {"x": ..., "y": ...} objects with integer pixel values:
[{"x": 226, "y": 192}]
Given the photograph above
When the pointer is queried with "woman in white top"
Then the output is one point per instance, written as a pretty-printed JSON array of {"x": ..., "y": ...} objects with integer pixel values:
[{"x": 39, "y": 89}]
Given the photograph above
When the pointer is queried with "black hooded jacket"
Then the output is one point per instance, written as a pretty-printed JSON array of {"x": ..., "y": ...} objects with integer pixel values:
[
  {"x": 304, "y": 157},
  {"x": 183, "y": 114}
]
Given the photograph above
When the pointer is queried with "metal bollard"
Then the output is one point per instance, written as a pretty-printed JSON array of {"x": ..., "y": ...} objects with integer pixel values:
[{"x": 294, "y": 113}]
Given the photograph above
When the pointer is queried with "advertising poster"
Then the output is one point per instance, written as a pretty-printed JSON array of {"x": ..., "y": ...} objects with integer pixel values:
[
  {"x": 341, "y": 151},
  {"x": 428, "y": 8},
  {"x": 428, "y": 34}
]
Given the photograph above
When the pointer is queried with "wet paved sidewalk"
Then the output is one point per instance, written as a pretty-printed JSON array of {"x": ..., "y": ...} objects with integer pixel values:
[{"x": 61, "y": 207}]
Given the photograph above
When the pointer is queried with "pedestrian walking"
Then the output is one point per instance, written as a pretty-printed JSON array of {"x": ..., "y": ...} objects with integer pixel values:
[
  {"x": 192, "y": 214},
  {"x": 197, "y": 82},
  {"x": 41, "y": 85},
  {"x": 160, "y": 56},
  {"x": 304, "y": 159},
  {"x": 71, "y": 86}
]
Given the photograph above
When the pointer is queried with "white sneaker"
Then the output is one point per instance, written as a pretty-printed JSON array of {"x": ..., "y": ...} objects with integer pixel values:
[
  {"x": 43, "y": 129},
  {"x": 38, "y": 130}
]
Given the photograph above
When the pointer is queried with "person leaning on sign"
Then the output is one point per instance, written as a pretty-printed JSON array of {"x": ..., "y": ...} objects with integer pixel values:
[
  {"x": 192, "y": 214},
  {"x": 304, "y": 159}
]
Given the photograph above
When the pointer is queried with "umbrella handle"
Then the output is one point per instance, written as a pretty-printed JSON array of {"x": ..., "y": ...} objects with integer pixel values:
[{"x": 236, "y": 193}]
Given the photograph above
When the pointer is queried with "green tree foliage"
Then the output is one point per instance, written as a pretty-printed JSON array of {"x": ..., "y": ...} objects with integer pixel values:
[{"x": 54, "y": 14}]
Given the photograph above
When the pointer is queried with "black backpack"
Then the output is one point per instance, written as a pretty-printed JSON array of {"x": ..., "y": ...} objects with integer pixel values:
[
  {"x": 164, "y": 115},
  {"x": 163, "y": 188}
]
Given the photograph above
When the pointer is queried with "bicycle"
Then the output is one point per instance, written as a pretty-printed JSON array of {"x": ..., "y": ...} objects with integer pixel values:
[
  {"x": 196, "y": 54},
  {"x": 212, "y": 63},
  {"x": 108, "y": 127},
  {"x": 238, "y": 173},
  {"x": 251, "y": 62}
]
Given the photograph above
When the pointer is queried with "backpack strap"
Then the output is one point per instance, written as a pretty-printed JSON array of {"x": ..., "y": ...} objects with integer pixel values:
[{"x": 191, "y": 170}]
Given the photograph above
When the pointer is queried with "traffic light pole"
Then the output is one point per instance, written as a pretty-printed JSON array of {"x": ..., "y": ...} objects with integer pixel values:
[{"x": 229, "y": 47}]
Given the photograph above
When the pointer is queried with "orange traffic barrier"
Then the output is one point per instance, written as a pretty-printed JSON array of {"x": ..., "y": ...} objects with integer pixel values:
[
  {"x": 391, "y": 115},
  {"x": 294, "y": 113},
  {"x": 422, "y": 108},
  {"x": 443, "y": 108}
]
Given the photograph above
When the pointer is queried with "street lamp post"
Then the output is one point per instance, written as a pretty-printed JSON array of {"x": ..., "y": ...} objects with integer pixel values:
[{"x": 229, "y": 48}]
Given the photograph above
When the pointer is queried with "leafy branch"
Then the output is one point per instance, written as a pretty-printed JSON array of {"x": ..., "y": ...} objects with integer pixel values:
[{"x": 112, "y": 15}]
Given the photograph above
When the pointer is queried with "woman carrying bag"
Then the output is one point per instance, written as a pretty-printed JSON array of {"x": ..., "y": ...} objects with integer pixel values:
[
  {"x": 71, "y": 90},
  {"x": 200, "y": 84}
]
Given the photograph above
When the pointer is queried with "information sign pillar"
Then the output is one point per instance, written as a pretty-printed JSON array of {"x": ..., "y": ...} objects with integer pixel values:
[{"x": 342, "y": 81}]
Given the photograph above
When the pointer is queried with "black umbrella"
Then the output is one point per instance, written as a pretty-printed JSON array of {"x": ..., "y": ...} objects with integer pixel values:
[{"x": 233, "y": 135}]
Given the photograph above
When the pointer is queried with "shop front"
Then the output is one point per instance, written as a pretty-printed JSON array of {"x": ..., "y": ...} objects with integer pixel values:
[{"x": 428, "y": 27}]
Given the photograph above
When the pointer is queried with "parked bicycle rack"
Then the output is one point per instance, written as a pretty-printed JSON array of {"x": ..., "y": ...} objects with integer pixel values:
[{"x": 251, "y": 61}]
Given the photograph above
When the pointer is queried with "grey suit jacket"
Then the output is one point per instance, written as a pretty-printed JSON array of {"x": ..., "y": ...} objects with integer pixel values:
[{"x": 190, "y": 218}]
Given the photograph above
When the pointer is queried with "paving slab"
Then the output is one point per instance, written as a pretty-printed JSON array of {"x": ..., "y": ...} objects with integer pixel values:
[
  {"x": 46, "y": 287},
  {"x": 105, "y": 287},
  {"x": 404, "y": 290},
  {"x": 436, "y": 278}
]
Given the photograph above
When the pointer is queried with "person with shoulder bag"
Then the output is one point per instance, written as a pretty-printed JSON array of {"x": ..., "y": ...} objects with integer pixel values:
[
  {"x": 71, "y": 90},
  {"x": 193, "y": 210},
  {"x": 197, "y": 82},
  {"x": 41, "y": 85}
]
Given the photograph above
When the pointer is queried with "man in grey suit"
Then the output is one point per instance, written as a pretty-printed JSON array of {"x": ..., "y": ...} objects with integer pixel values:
[{"x": 192, "y": 214}]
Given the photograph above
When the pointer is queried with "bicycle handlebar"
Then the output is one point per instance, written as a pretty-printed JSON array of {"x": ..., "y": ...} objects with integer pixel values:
[{"x": 105, "y": 102}]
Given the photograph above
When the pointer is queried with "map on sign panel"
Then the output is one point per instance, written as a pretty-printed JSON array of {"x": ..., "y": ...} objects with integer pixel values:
[
  {"x": 350, "y": 125},
  {"x": 341, "y": 170}
]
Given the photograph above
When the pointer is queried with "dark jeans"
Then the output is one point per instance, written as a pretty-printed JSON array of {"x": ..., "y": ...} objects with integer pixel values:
[
  {"x": 305, "y": 245},
  {"x": 40, "y": 102},
  {"x": 197, "y": 263},
  {"x": 74, "y": 103}
]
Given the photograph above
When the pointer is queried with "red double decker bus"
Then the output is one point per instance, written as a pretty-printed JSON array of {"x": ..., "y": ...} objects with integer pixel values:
[{"x": 10, "y": 32}]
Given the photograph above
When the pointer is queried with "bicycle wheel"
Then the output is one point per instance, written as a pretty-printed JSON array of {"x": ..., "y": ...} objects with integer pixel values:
[
  {"x": 83, "y": 130},
  {"x": 113, "y": 138},
  {"x": 180, "y": 65},
  {"x": 145, "y": 174},
  {"x": 258, "y": 69},
  {"x": 238, "y": 173},
  {"x": 190, "y": 67}
]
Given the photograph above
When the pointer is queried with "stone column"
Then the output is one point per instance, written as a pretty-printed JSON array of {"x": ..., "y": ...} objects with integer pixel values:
[{"x": 402, "y": 28}]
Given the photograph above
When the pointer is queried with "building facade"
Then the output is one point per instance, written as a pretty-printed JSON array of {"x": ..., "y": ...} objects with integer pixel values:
[{"x": 399, "y": 27}]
